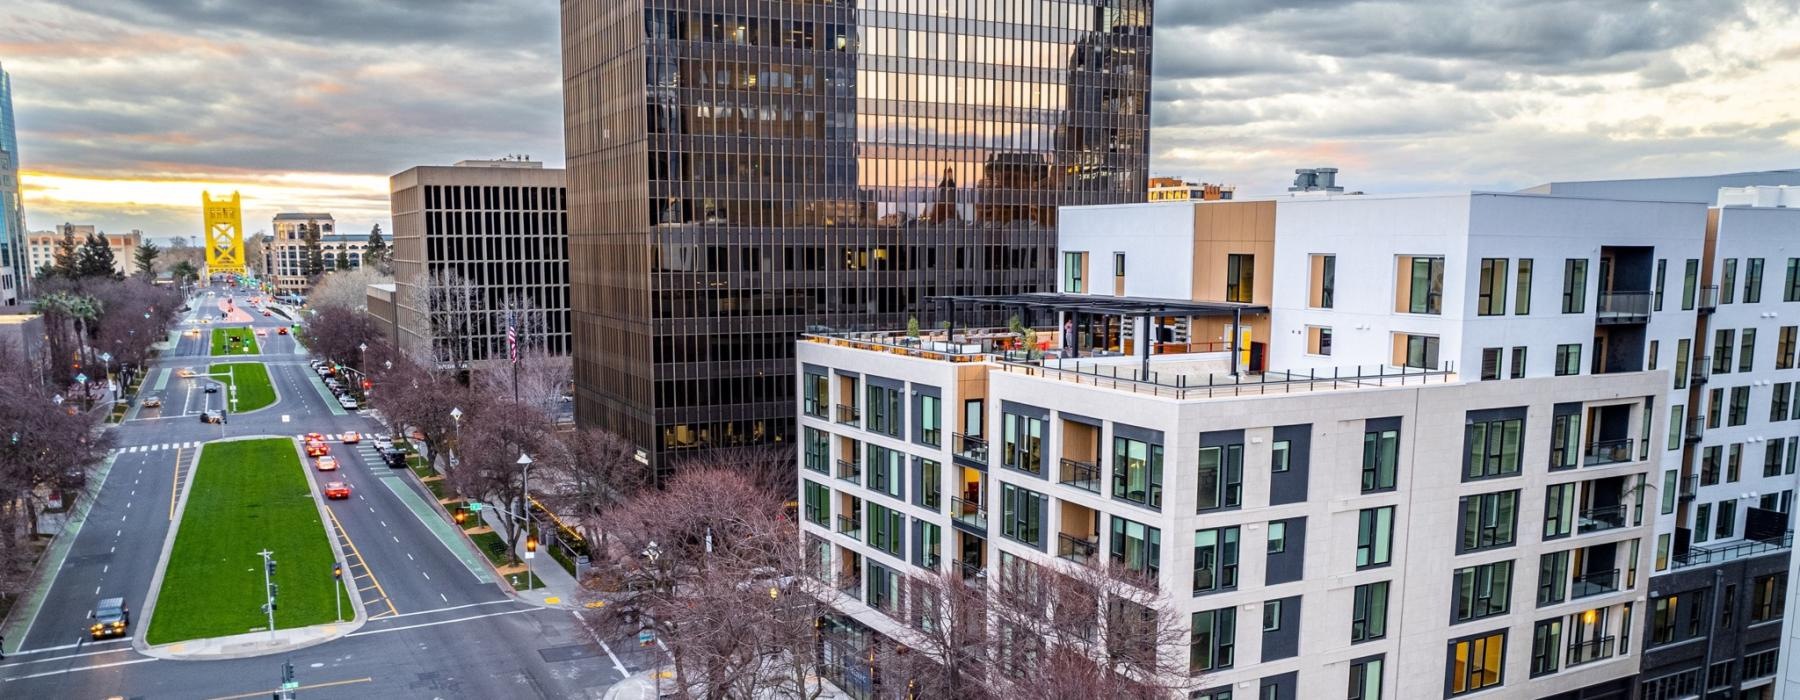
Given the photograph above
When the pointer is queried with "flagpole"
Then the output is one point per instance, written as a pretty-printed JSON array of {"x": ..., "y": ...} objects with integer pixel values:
[{"x": 512, "y": 347}]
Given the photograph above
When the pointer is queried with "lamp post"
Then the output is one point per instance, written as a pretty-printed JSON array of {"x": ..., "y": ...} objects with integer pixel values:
[
  {"x": 361, "y": 350},
  {"x": 525, "y": 514},
  {"x": 456, "y": 415},
  {"x": 106, "y": 357}
]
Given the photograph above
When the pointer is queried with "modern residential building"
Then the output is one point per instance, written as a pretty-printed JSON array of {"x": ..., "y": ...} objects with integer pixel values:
[
  {"x": 41, "y": 246},
  {"x": 476, "y": 243},
  {"x": 286, "y": 250},
  {"x": 1171, "y": 189},
  {"x": 1406, "y": 536},
  {"x": 741, "y": 174},
  {"x": 12, "y": 203}
]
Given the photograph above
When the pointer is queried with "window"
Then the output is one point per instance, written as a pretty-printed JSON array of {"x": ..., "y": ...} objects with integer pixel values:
[
  {"x": 1677, "y": 425},
  {"x": 885, "y": 470},
  {"x": 1271, "y": 611},
  {"x": 1574, "y": 296},
  {"x": 1477, "y": 662},
  {"x": 1488, "y": 520},
  {"x": 1240, "y": 277},
  {"x": 1022, "y": 514},
  {"x": 931, "y": 484},
  {"x": 1746, "y": 349},
  {"x": 1690, "y": 276},
  {"x": 1559, "y": 510},
  {"x": 1368, "y": 612},
  {"x": 1374, "y": 537},
  {"x": 1483, "y": 591},
  {"x": 1669, "y": 491},
  {"x": 1215, "y": 560},
  {"x": 1568, "y": 359},
  {"x": 1418, "y": 351},
  {"x": 1137, "y": 472},
  {"x": 818, "y": 504},
  {"x": 1279, "y": 456},
  {"x": 1728, "y": 282},
  {"x": 1740, "y": 405},
  {"x": 1213, "y": 640},
  {"x": 1136, "y": 547},
  {"x": 1324, "y": 282},
  {"x": 1118, "y": 264},
  {"x": 1722, "y": 350},
  {"x": 1381, "y": 453},
  {"x": 1768, "y": 597},
  {"x": 818, "y": 450},
  {"x": 1490, "y": 295},
  {"x": 1553, "y": 578},
  {"x": 1365, "y": 679},
  {"x": 1493, "y": 448},
  {"x": 885, "y": 410},
  {"x": 1022, "y": 443},
  {"x": 1681, "y": 363},
  {"x": 1318, "y": 340},
  {"x": 886, "y": 528},
  {"x": 1074, "y": 272},
  {"x": 1702, "y": 518},
  {"x": 1753, "y": 279},
  {"x": 1518, "y": 362},
  {"x": 884, "y": 588},
  {"x": 1490, "y": 364},
  {"x": 1221, "y": 482},
  {"x": 1778, "y": 401},
  {"x": 1546, "y": 646},
  {"x": 930, "y": 545},
  {"x": 1727, "y": 521},
  {"x": 1522, "y": 293},
  {"x": 1565, "y": 437},
  {"x": 1715, "y": 406},
  {"x": 974, "y": 418},
  {"x": 818, "y": 395},
  {"x": 1662, "y": 273},
  {"x": 1784, "y": 347},
  {"x": 931, "y": 420},
  {"x": 1710, "y": 460},
  {"x": 1425, "y": 285},
  {"x": 1277, "y": 537}
]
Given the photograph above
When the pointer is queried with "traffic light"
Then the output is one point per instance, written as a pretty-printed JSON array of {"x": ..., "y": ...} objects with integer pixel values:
[
  {"x": 367, "y": 385},
  {"x": 531, "y": 543},
  {"x": 271, "y": 564},
  {"x": 337, "y": 571}
]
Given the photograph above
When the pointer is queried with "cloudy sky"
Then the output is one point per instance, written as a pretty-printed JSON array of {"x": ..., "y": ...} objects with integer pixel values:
[{"x": 127, "y": 109}]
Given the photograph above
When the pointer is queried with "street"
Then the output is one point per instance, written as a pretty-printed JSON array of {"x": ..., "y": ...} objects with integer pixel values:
[{"x": 439, "y": 624}]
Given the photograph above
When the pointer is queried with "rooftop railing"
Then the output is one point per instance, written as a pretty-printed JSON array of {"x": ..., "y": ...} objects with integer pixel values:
[
  {"x": 1185, "y": 385},
  {"x": 1698, "y": 556}
]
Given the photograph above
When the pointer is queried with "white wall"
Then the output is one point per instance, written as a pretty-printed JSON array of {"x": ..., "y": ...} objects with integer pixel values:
[{"x": 1157, "y": 239}]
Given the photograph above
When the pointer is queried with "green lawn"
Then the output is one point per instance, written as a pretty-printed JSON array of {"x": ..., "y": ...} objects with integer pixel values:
[
  {"x": 247, "y": 495},
  {"x": 221, "y": 341},
  {"x": 253, "y": 388}
]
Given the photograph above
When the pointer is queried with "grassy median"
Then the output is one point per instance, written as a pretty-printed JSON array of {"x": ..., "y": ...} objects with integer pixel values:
[
  {"x": 222, "y": 345},
  {"x": 253, "y": 388},
  {"x": 247, "y": 495}
]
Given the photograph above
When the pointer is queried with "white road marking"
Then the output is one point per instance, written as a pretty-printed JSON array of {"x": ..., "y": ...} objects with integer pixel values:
[
  {"x": 83, "y": 643},
  {"x": 409, "y": 557},
  {"x": 105, "y": 568},
  {"x": 428, "y": 577},
  {"x": 116, "y": 533},
  {"x": 384, "y": 523},
  {"x": 440, "y": 622},
  {"x": 453, "y": 607},
  {"x": 396, "y": 539},
  {"x": 623, "y": 673},
  {"x": 96, "y": 590},
  {"x": 114, "y": 550},
  {"x": 441, "y": 596},
  {"x": 77, "y": 670}
]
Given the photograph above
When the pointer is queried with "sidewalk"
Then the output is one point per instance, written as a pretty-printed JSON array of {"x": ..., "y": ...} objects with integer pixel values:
[
  {"x": 642, "y": 686},
  {"x": 559, "y": 588},
  {"x": 241, "y": 646}
]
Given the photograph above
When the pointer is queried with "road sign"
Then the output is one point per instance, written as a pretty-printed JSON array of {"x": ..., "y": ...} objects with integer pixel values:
[
  {"x": 475, "y": 507},
  {"x": 81, "y": 378},
  {"x": 646, "y": 638},
  {"x": 291, "y": 685}
]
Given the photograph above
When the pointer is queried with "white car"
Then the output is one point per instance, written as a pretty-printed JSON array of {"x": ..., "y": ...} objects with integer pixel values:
[{"x": 347, "y": 402}]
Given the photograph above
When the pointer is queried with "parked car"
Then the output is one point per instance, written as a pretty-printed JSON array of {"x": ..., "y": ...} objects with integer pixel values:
[
  {"x": 152, "y": 401},
  {"x": 336, "y": 490},
  {"x": 111, "y": 619},
  {"x": 348, "y": 402},
  {"x": 394, "y": 458},
  {"x": 212, "y": 415},
  {"x": 326, "y": 463}
]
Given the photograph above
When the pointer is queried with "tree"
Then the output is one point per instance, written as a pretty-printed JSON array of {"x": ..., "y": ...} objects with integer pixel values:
[
  {"x": 487, "y": 453},
  {"x": 596, "y": 470},
  {"x": 145, "y": 259},
  {"x": 416, "y": 396},
  {"x": 96, "y": 258},
  {"x": 315, "y": 257},
  {"x": 454, "y": 309},
  {"x": 185, "y": 271},
  {"x": 377, "y": 254},
  {"x": 67, "y": 254},
  {"x": 348, "y": 289},
  {"x": 343, "y": 257}
]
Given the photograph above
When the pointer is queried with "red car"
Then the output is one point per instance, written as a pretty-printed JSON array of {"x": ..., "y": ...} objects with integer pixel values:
[
  {"x": 281, "y": 331},
  {"x": 265, "y": 313},
  {"x": 337, "y": 490},
  {"x": 315, "y": 448},
  {"x": 327, "y": 463}
]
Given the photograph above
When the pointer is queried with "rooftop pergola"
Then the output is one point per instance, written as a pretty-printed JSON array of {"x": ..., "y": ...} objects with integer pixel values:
[{"x": 1080, "y": 305}]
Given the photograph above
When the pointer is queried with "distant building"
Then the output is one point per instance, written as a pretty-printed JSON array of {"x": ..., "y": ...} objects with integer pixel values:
[
  {"x": 41, "y": 246},
  {"x": 381, "y": 307},
  {"x": 1315, "y": 180},
  {"x": 285, "y": 250},
  {"x": 1174, "y": 189},
  {"x": 498, "y": 226},
  {"x": 1700, "y": 188},
  {"x": 12, "y": 204}
]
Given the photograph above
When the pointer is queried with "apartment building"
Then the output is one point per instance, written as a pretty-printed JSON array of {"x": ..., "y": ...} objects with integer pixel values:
[
  {"x": 287, "y": 251},
  {"x": 41, "y": 246}
]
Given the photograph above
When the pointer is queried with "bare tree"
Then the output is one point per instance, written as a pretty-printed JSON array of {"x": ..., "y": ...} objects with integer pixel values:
[
  {"x": 454, "y": 310},
  {"x": 337, "y": 333},
  {"x": 348, "y": 289},
  {"x": 414, "y": 396},
  {"x": 493, "y": 437},
  {"x": 541, "y": 380},
  {"x": 598, "y": 470}
]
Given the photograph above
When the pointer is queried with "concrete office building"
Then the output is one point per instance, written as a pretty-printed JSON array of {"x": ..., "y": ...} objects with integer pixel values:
[
  {"x": 738, "y": 174},
  {"x": 12, "y": 202},
  {"x": 41, "y": 246},
  {"x": 1174, "y": 189},
  {"x": 286, "y": 251},
  {"x": 477, "y": 240}
]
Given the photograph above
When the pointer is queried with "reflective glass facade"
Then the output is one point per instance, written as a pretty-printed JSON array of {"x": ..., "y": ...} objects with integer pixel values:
[
  {"x": 12, "y": 207},
  {"x": 741, "y": 171}
]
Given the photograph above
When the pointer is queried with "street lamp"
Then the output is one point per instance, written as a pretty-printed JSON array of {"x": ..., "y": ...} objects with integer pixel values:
[
  {"x": 106, "y": 357},
  {"x": 456, "y": 416},
  {"x": 361, "y": 350},
  {"x": 525, "y": 506}
]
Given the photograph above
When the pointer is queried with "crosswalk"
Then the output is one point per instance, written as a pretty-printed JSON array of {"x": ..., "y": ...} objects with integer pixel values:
[{"x": 157, "y": 448}]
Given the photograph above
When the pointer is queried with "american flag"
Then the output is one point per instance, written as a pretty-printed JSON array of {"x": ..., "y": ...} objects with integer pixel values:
[{"x": 512, "y": 339}]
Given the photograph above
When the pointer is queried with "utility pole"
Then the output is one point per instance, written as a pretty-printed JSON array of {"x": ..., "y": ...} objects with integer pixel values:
[{"x": 269, "y": 588}]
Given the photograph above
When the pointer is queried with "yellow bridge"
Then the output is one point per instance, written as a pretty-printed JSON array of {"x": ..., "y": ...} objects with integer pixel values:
[{"x": 224, "y": 234}]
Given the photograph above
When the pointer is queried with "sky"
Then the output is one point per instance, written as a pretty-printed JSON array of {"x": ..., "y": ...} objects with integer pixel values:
[{"x": 128, "y": 109}]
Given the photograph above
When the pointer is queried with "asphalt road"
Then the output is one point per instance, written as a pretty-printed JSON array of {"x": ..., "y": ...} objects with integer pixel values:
[{"x": 439, "y": 626}]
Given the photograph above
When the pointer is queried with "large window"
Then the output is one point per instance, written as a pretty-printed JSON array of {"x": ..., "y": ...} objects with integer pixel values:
[
  {"x": 1421, "y": 351},
  {"x": 1136, "y": 547},
  {"x": 1221, "y": 482},
  {"x": 1753, "y": 280},
  {"x": 884, "y": 588},
  {"x": 1522, "y": 294},
  {"x": 1374, "y": 537},
  {"x": 1365, "y": 679},
  {"x": 1546, "y": 646},
  {"x": 1483, "y": 591},
  {"x": 1728, "y": 282},
  {"x": 818, "y": 504},
  {"x": 1021, "y": 443},
  {"x": 931, "y": 484},
  {"x": 1022, "y": 514},
  {"x": 1490, "y": 295},
  {"x": 1559, "y": 510},
  {"x": 1214, "y": 640},
  {"x": 1784, "y": 346},
  {"x": 1493, "y": 448},
  {"x": 1747, "y": 350},
  {"x": 1425, "y": 286},
  {"x": 887, "y": 528},
  {"x": 1553, "y": 578},
  {"x": 1240, "y": 277},
  {"x": 1381, "y": 455},
  {"x": 931, "y": 420},
  {"x": 886, "y": 410},
  {"x": 1662, "y": 274},
  {"x": 1477, "y": 662},
  {"x": 1568, "y": 359},
  {"x": 1137, "y": 472},
  {"x": 1565, "y": 439},
  {"x": 1074, "y": 272},
  {"x": 1215, "y": 559},
  {"x": 1739, "y": 412},
  {"x": 1690, "y": 276},
  {"x": 1721, "y": 361},
  {"x": 1681, "y": 363},
  {"x": 1574, "y": 295},
  {"x": 818, "y": 450},
  {"x": 1324, "y": 282},
  {"x": 818, "y": 395},
  {"x": 1488, "y": 520},
  {"x": 1791, "y": 290},
  {"x": 1369, "y": 612},
  {"x": 1768, "y": 597}
]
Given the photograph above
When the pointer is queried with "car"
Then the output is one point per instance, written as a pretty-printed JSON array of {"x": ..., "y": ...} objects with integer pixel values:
[
  {"x": 152, "y": 401},
  {"x": 206, "y": 321},
  {"x": 266, "y": 313},
  {"x": 348, "y": 402},
  {"x": 185, "y": 373},
  {"x": 334, "y": 384},
  {"x": 281, "y": 331},
  {"x": 352, "y": 437},
  {"x": 211, "y": 388},
  {"x": 195, "y": 332},
  {"x": 326, "y": 463},
  {"x": 111, "y": 619},
  {"x": 317, "y": 448},
  {"x": 262, "y": 332},
  {"x": 336, "y": 490},
  {"x": 394, "y": 458},
  {"x": 212, "y": 415}
]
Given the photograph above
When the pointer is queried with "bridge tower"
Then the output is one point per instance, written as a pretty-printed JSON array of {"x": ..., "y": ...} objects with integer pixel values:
[{"x": 224, "y": 234}]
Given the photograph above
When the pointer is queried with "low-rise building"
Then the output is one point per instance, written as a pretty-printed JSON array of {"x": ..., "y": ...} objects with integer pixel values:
[
  {"x": 41, "y": 246},
  {"x": 287, "y": 251}
]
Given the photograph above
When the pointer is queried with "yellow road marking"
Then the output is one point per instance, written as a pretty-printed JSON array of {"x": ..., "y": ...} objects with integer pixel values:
[
  {"x": 359, "y": 557},
  {"x": 304, "y": 687}
]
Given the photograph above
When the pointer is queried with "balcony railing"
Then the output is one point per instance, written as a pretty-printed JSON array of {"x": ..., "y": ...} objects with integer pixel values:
[
  {"x": 1736, "y": 550},
  {"x": 849, "y": 471},
  {"x": 1623, "y": 307},
  {"x": 1690, "y": 487},
  {"x": 1081, "y": 475},
  {"x": 1608, "y": 452},
  {"x": 850, "y": 584},
  {"x": 1590, "y": 651},
  {"x": 1076, "y": 549},
  {"x": 971, "y": 571},
  {"x": 1601, "y": 519},
  {"x": 1709, "y": 298},
  {"x": 1696, "y": 428},
  {"x": 968, "y": 513},
  {"x": 932, "y": 436},
  {"x": 1594, "y": 583},
  {"x": 851, "y": 527},
  {"x": 970, "y": 447},
  {"x": 1701, "y": 370},
  {"x": 848, "y": 415}
]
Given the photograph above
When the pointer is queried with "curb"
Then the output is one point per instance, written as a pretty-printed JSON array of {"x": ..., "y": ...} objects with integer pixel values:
[
  {"x": 499, "y": 578},
  {"x": 273, "y": 385},
  {"x": 38, "y": 582}
]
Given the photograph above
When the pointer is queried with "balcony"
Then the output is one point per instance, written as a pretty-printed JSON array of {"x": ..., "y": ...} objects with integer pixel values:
[
  {"x": 1606, "y": 452},
  {"x": 849, "y": 471},
  {"x": 1709, "y": 298},
  {"x": 1081, "y": 475},
  {"x": 1690, "y": 487},
  {"x": 1623, "y": 307},
  {"x": 1076, "y": 549},
  {"x": 932, "y": 436},
  {"x": 850, "y": 584},
  {"x": 1590, "y": 651},
  {"x": 1601, "y": 519},
  {"x": 970, "y": 448},
  {"x": 1701, "y": 370},
  {"x": 1698, "y": 556},
  {"x": 1696, "y": 428},
  {"x": 1594, "y": 583},
  {"x": 849, "y": 415},
  {"x": 971, "y": 572},
  {"x": 968, "y": 513},
  {"x": 850, "y": 527}
]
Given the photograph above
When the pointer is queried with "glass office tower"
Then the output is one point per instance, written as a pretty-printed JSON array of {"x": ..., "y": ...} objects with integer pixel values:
[
  {"x": 742, "y": 171},
  {"x": 12, "y": 206}
]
